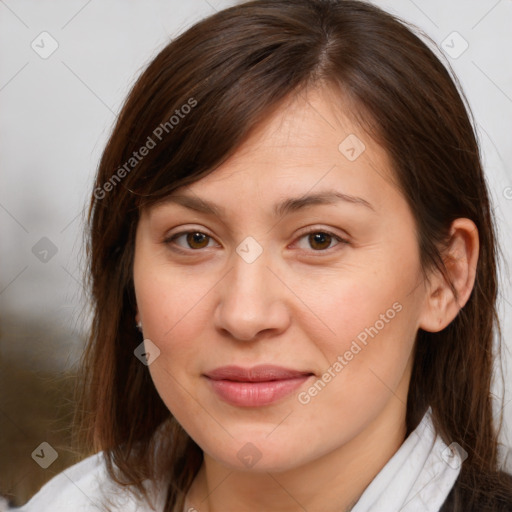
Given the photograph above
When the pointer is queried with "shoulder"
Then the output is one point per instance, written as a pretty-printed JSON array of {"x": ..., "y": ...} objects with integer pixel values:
[
  {"x": 78, "y": 485},
  {"x": 85, "y": 487}
]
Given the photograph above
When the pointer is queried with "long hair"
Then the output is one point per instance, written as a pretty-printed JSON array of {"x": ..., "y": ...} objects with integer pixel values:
[{"x": 194, "y": 104}]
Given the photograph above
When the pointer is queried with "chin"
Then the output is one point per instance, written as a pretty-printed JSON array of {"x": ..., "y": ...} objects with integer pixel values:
[
  {"x": 259, "y": 453},
  {"x": 260, "y": 461}
]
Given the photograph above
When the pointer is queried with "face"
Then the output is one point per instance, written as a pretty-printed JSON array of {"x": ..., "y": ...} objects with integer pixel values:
[{"x": 285, "y": 316}]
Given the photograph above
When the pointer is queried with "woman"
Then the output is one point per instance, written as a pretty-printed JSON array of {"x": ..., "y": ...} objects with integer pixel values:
[{"x": 292, "y": 260}]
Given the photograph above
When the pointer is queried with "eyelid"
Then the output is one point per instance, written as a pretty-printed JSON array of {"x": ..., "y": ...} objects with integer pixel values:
[
  {"x": 169, "y": 238},
  {"x": 342, "y": 240},
  {"x": 319, "y": 229}
]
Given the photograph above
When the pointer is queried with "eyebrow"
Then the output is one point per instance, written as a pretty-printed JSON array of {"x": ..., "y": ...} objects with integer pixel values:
[{"x": 282, "y": 208}]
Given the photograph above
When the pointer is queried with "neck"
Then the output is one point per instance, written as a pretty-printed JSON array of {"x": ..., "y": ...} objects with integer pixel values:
[{"x": 331, "y": 482}]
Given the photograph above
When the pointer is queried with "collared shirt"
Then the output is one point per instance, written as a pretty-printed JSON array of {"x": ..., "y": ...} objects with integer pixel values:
[{"x": 418, "y": 478}]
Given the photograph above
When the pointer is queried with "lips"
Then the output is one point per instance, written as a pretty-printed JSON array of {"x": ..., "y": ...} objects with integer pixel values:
[{"x": 256, "y": 386}]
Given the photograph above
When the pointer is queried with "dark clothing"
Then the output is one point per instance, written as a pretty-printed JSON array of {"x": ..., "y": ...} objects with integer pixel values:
[{"x": 464, "y": 500}]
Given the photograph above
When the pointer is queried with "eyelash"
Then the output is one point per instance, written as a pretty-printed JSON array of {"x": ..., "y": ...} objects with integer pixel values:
[{"x": 169, "y": 241}]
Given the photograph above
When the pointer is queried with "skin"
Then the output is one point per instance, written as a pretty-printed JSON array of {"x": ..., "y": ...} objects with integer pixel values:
[{"x": 300, "y": 305}]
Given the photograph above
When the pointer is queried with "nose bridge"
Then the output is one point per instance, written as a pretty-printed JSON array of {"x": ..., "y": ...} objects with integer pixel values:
[
  {"x": 250, "y": 298},
  {"x": 249, "y": 281}
]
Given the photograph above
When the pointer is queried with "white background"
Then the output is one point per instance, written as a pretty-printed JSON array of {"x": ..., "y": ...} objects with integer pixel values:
[{"x": 56, "y": 115}]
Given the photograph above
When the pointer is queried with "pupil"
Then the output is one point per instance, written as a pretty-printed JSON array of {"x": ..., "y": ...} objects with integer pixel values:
[
  {"x": 196, "y": 238},
  {"x": 320, "y": 238}
]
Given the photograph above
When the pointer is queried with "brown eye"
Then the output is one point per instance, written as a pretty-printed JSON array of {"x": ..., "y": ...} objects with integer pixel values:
[
  {"x": 193, "y": 240},
  {"x": 319, "y": 240},
  {"x": 196, "y": 240}
]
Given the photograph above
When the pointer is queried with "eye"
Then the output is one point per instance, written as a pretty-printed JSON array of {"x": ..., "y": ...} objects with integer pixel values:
[
  {"x": 194, "y": 239},
  {"x": 320, "y": 240}
]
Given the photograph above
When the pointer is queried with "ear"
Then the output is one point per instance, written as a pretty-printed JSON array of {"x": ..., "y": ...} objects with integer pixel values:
[{"x": 460, "y": 259}]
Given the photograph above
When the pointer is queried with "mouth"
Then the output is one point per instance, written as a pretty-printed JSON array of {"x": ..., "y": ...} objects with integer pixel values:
[{"x": 257, "y": 386}]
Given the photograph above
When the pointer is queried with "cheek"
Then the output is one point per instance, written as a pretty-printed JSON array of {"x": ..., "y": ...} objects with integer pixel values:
[
  {"x": 370, "y": 350},
  {"x": 176, "y": 311},
  {"x": 363, "y": 306},
  {"x": 372, "y": 319},
  {"x": 168, "y": 297},
  {"x": 172, "y": 310},
  {"x": 365, "y": 360}
]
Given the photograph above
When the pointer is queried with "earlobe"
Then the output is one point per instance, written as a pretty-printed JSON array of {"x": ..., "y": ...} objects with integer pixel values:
[
  {"x": 138, "y": 322},
  {"x": 460, "y": 258}
]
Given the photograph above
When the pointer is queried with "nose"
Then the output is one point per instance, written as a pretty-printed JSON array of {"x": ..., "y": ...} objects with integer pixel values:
[{"x": 252, "y": 301}]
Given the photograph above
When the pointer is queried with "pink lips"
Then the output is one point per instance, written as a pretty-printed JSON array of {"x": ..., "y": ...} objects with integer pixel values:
[{"x": 256, "y": 386}]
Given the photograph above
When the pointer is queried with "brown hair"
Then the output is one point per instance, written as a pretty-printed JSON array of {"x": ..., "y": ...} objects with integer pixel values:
[{"x": 232, "y": 69}]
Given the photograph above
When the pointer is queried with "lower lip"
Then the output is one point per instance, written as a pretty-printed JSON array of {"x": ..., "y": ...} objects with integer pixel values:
[{"x": 255, "y": 394}]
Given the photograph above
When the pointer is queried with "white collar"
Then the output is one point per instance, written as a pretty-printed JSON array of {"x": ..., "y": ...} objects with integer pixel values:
[{"x": 418, "y": 477}]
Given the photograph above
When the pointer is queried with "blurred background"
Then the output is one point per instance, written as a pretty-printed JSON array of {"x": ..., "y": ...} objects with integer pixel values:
[{"x": 65, "y": 69}]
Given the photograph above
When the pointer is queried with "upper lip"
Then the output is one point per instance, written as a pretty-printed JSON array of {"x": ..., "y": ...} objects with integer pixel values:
[{"x": 260, "y": 373}]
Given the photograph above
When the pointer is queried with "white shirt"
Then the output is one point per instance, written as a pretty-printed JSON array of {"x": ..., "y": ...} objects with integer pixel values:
[
  {"x": 86, "y": 487},
  {"x": 418, "y": 478}
]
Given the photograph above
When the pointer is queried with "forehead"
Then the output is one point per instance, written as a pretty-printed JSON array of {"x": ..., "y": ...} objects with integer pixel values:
[{"x": 310, "y": 143}]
